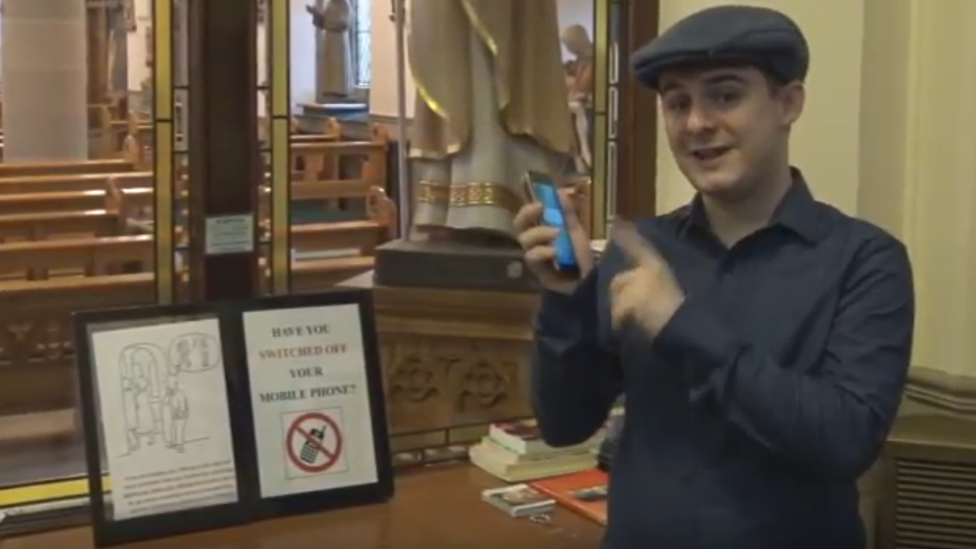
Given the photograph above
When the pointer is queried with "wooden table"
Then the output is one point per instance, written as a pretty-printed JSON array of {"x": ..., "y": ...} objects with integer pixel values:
[{"x": 433, "y": 508}]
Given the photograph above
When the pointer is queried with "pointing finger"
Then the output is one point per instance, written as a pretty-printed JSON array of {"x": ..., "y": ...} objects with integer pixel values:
[{"x": 624, "y": 234}]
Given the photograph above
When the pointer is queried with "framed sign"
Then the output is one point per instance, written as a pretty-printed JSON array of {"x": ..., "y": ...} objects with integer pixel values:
[
  {"x": 159, "y": 429},
  {"x": 315, "y": 400}
]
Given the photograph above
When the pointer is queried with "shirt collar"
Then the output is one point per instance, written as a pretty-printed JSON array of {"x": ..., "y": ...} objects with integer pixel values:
[{"x": 797, "y": 212}]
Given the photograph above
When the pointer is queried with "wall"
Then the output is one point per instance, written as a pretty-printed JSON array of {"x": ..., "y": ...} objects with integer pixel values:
[
  {"x": 303, "y": 46},
  {"x": 302, "y": 51},
  {"x": 383, "y": 46},
  {"x": 383, "y": 92},
  {"x": 890, "y": 135},
  {"x": 940, "y": 168}
]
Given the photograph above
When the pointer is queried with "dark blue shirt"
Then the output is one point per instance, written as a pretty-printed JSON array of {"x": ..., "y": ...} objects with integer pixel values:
[{"x": 752, "y": 414}]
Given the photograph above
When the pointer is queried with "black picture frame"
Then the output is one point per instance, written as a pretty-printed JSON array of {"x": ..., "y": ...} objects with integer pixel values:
[
  {"x": 378, "y": 492},
  {"x": 107, "y": 531}
]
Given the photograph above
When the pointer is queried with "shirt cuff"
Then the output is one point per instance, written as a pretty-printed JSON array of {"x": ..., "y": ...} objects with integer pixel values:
[
  {"x": 697, "y": 339},
  {"x": 570, "y": 315}
]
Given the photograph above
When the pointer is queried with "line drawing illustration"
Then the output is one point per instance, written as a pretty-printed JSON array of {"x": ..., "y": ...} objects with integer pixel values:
[{"x": 157, "y": 391}]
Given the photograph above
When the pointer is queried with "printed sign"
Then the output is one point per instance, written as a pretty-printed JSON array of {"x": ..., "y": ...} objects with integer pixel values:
[
  {"x": 165, "y": 418},
  {"x": 310, "y": 399},
  {"x": 229, "y": 234}
]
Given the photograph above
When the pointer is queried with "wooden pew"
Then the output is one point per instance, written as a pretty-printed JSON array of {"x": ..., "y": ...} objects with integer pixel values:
[
  {"x": 35, "y": 226},
  {"x": 320, "y": 160},
  {"x": 62, "y": 201},
  {"x": 99, "y": 256},
  {"x": 135, "y": 138},
  {"x": 37, "y": 311},
  {"x": 16, "y": 169},
  {"x": 73, "y": 182},
  {"x": 91, "y": 256}
]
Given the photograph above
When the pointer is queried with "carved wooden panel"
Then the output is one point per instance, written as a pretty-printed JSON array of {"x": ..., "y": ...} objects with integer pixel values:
[
  {"x": 454, "y": 361},
  {"x": 439, "y": 383}
]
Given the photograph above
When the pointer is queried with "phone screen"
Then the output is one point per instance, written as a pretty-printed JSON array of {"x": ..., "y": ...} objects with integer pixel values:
[{"x": 546, "y": 193}]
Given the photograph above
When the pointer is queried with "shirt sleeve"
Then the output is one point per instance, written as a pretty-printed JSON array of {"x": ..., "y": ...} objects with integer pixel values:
[
  {"x": 575, "y": 378},
  {"x": 837, "y": 418}
]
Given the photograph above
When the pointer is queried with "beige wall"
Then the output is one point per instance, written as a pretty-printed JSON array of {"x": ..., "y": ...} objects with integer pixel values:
[
  {"x": 383, "y": 90},
  {"x": 890, "y": 135}
]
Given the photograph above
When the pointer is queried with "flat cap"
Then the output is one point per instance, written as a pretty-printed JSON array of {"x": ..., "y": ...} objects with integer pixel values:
[{"x": 748, "y": 35}]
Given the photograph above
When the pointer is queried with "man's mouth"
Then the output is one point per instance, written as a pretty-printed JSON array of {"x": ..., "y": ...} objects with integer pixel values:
[{"x": 709, "y": 153}]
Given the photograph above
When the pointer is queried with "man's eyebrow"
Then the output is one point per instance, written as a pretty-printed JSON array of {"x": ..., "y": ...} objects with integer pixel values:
[
  {"x": 721, "y": 78},
  {"x": 725, "y": 78}
]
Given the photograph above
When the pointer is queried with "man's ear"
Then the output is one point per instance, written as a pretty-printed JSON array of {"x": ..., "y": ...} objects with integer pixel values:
[{"x": 792, "y": 98}]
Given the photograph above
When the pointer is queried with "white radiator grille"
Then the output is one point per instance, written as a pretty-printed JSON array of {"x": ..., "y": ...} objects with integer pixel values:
[{"x": 935, "y": 505}]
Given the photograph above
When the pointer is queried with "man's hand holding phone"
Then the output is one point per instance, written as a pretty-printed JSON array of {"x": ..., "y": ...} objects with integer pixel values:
[{"x": 538, "y": 240}]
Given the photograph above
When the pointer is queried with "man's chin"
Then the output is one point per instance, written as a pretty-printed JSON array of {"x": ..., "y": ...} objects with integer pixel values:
[{"x": 717, "y": 184}]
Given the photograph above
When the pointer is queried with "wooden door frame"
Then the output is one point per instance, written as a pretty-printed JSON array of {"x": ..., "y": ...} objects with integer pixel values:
[{"x": 637, "y": 119}]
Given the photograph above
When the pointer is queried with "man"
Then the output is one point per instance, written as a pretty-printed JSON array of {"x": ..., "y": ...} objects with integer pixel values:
[
  {"x": 762, "y": 339},
  {"x": 177, "y": 412}
]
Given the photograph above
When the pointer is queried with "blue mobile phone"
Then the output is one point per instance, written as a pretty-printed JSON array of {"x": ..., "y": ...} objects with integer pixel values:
[{"x": 542, "y": 189}]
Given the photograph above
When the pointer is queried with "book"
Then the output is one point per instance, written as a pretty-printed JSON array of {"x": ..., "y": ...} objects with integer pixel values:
[
  {"x": 507, "y": 455},
  {"x": 511, "y": 467},
  {"x": 523, "y": 437},
  {"x": 519, "y": 500},
  {"x": 515, "y": 452},
  {"x": 584, "y": 492}
]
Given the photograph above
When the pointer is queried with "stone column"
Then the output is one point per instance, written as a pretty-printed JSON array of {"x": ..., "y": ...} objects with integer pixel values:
[{"x": 43, "y": 75}]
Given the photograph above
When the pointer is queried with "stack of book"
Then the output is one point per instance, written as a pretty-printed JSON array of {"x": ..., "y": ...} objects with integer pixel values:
[{"x": 515, "y": 452}]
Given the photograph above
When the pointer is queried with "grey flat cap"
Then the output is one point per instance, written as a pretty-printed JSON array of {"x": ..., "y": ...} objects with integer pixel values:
[{"x": 748, "y": 35}]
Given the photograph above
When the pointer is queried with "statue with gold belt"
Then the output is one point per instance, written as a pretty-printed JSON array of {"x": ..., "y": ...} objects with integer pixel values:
[{"x": 491, "y": 104}]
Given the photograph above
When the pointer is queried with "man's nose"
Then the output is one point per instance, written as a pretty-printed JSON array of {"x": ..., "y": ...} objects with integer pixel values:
[{"x": 700, "y": 120}]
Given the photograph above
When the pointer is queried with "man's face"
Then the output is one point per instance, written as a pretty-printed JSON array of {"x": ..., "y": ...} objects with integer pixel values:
[{"x": 727, "y": 126}]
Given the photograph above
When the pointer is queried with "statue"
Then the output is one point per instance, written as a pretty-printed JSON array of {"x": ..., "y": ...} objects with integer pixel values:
[
  {"x": 579, "y": 81},
  {"x": 334, "y": 71},
  {"x": 491, "y": 104},
  {"x": 146, "y": 89}
]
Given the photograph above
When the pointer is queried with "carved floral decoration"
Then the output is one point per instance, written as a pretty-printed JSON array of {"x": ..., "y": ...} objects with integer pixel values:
[
  {"x": 410, "y": 377},
  {"x": 484, "y": 384}
]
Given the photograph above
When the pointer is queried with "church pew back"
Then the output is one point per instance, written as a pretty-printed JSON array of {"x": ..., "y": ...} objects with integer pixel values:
[
  {"x": 61, "y": 201},
  {"x": 92, "y": 256},
  {"x": 73, "y": 182},
  {"x": 15, "y": 169},
  {"x": 40, "y": 226}
]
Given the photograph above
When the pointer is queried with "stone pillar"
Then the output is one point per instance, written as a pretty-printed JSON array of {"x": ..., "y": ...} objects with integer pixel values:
[{"x": 43, "y": 75}]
